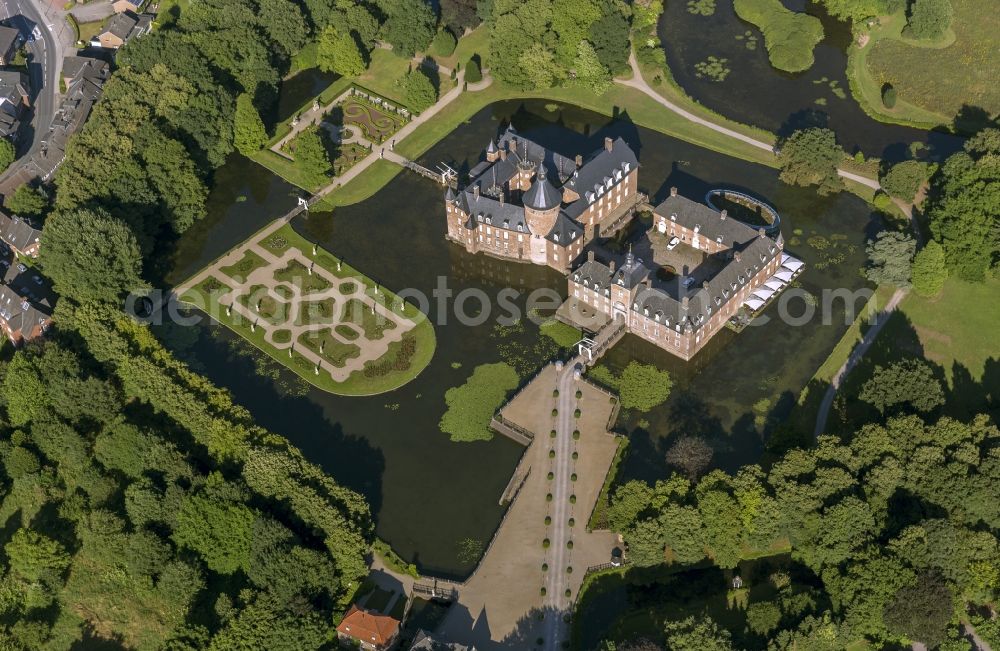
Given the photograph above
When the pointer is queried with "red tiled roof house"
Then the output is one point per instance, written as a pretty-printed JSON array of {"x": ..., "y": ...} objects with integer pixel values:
[{"x": 374, "y": 632}]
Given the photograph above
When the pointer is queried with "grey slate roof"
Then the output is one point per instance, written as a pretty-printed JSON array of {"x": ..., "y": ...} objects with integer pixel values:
[
  {"x": 424, "y": 641},
  {"x": 491, "y": 179},
  {"x": 8, "y": 37},
  {"x": 82, "y": 93},
  {"x": 19, "y": 314},
  {"x": 709, "y": 222},
  {"x": 17, "y": 232},
  {"x": 542, "y": 195},
  {"x": 121, "y": 25}
]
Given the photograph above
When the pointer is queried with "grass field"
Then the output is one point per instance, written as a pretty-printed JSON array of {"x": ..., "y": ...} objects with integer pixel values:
[
  {"x": 933, "y": 80},
  {"x": 959, "y": 327}
]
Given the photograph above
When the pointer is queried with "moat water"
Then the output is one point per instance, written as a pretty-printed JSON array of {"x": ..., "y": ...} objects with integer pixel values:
[
  {"x": 427, "y": 493},
  {"x": 754, "y": 92}
]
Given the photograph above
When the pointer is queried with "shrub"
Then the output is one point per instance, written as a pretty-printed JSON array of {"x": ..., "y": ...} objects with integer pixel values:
[
  {"x": 572, "y": 477},
  {"x": 572, "y": 499},
  {"x": 552, "y": 434},
  {"x": 551, "y": 476},
  {"x": 555, "y": 393},
  {"x": 928, "y": 19},
  {"x": 545, "y": 543},
  {"x": 576, "y": 455},
  {"x": 572, "y": 522},
  {"x": 548, "y": 497},
  {"x": 579, "y": 394},
  {"x": 569, "y": 544},
  {"x": 888, "y": 96},
  {"x": 903, "y": 180},
  {"x": 576, "y": 435},
  {"x": 473, "y": 73},
  {"x": 444, "y": 43},
  {"x": 548, "y": 520},
  {"x": 545, "y": 567},
  {"x": 568, "y": 593},
  {"x": 540, "y": 640},
  {"x": 929, "y": 271},
  {"x": 555, "y": 412},
  {"x": 552, "y": 454},
  {"x": 569, "y": 569},
  {"x": 576, "y": 413}
]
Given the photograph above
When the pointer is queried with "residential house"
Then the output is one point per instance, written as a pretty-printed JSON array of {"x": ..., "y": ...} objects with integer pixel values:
[
  {"x": 122, "y": 28},
  {"x": 371, "y": 630},
  {"x": 19, "y": 235},
  {"x": 82, "y": 92},
  {"x": 10, "y": 40},
  {"x": 13, "y": 101},
  {"x": 530, "y": 204},
  {"x": 424, "y": 641},
  {"x": 20, "y": 320},
  {"x": 121, "y": 6}
]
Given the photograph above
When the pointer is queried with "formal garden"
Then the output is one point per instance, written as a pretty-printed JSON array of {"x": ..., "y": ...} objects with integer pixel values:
[{"x": 309, "y": 310}]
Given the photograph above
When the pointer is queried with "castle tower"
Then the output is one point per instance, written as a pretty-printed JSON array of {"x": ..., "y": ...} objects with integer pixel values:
[
  {"x": 492, "y": 153},
  {"x": 541, "y": 205}
]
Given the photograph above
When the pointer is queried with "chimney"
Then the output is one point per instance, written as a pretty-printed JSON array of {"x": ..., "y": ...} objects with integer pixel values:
[
  {"x": 590, "y": 255},
  {"x": 611, "y": 266},
  {"x": 503, "y": 154},
  {"x": 673, "y": 191},
  {"x": 724, "y": 214},
  {"x": 760, "y": 231},
  {"x": 737, "y": 256},
  {"x": 579, "y": 161},
  {"x": 684, "y": 303},
  {"x": 475, "y": 191},
  {"x": 608, "y": 144},
  {"x": 501, "y": 198}
]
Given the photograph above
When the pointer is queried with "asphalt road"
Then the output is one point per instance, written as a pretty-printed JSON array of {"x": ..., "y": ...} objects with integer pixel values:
[{"x": 47, "y": 53}]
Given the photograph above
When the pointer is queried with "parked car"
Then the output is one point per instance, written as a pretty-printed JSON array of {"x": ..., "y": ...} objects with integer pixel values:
[
  {"x": 21, "y": 267},
  {"x": 38, "y": 280},
  {"x": 674, "y": 241}
]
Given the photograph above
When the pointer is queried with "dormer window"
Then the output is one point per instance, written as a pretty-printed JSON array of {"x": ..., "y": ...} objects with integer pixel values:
[
  {"x": 555, "y": 236},
  {"x": 719, "y": 239},
  {"x": 607, "y": 292},
  {"x": 645, "y": 311},
  {"x": 590, "y": 196},
  {"x": 742, "y": 279},
  {"x": 618, "y": 175},
  {"x": 718, "y": 301},
  {"x": 586, "y": 283},
  {"x": 479, "y": 216},
  {"x": 733, "y": 285},
  {"x": 626, "y": 166},
  {"x": 600, "y": 190},
  {"x": 635, "y": 306},
  {"x": 673, "y": 217},
  {"x": 489, "y": 220},
  {"x": 697, "y": 228},
  {"x": 520, "y": 228},
  {"x": 576, "y": 277},
  {"x": 725, "y": 293}
]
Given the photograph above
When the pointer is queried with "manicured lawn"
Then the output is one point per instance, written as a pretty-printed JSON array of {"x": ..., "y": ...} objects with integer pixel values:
[
  {"x": 247, "y": 264},
  {"x": 90, "y": 30},
  {"x": 933, "y": 80},
  {"x": 330, "y": 349},
  {"x": 385, "y": 73},
  {"x": 257, "y": 300},
  {"x": 959, "y": 327},
  {"x": 359, "y": 314},
  {"x": 297, "y": 274},
  {"x": 316, "y": 312}
]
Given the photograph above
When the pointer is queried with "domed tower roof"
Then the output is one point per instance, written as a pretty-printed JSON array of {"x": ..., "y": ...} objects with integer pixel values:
[{"x": 542, "y": 195}]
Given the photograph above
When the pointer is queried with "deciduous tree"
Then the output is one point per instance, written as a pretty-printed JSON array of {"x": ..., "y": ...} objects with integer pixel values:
[
  {"x": 890, "y": 255},
  {"x": 27, "y": 201},
  {"x": 419, "y": 89},
  {"x": 249, "y": 134},
  {"x": 811, "y": 157},
  {"x": 907, "y": 382},
  {"x": 338, "y": 52},
  {"x": 929, "y": 271}
]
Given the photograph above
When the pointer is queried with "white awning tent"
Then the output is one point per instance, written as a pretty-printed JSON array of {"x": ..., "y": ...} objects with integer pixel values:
[
  {"x": 774, "y": 284},
  {"x": 784, "y": 258},
  {"x": 753, "y": 303},
  {"x": 792, "y": 264},
  {"x": 763, "y": 293},
  {"x": 784, "y": 276}
]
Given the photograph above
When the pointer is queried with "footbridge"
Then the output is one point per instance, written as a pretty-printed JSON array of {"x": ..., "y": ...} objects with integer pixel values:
[
  {"x": 767, "y": 212},
  {"x": 591, "y": 349},
  {"x": 443, "y": 175}
]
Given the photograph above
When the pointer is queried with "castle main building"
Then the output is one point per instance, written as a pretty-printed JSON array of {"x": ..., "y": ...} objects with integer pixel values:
[
  {"x": 724, "y": 265},
  {"x": 527, "y": 203}
]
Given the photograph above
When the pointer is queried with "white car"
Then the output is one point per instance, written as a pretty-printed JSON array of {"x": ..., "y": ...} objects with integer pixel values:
[{"x": 672, "y": 244}]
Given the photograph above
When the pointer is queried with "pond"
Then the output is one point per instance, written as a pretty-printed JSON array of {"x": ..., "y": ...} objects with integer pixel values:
[
  {"x": 756, "y": 93},
  {"x": 429, "y": 494}
]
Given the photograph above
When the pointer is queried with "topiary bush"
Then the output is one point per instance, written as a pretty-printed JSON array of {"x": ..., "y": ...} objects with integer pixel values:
[
  {"x": 546, "y": 543},
  {"x": 888, "y": 96},
  {"x": 548, "y": 520}
]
